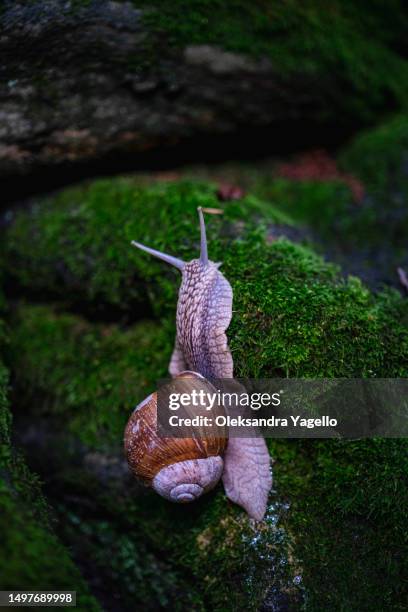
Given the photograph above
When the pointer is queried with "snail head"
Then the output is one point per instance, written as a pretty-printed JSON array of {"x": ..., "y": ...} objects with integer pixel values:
[{"x": 175, "y": 261}]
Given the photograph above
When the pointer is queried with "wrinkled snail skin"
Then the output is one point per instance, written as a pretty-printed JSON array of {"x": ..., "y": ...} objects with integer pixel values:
[
  {"x": 204, "y": 311},
  {"x": 247, "y": 477}
]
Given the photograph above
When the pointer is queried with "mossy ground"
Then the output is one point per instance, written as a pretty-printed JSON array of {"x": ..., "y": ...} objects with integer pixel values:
[
  {"x": 204, "y": 557},
  {"x": 294, "y": 315}
]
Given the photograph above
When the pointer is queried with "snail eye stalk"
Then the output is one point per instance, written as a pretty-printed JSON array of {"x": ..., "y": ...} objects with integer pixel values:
[
  {"x": 203, "y": 249},
  {"x": 173, "y": 261}
]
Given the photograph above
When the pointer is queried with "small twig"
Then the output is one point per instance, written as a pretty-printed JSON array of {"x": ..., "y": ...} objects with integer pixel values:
[{"x": 213, "y": 211}]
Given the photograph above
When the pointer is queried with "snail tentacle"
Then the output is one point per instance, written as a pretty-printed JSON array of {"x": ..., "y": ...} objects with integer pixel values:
[
  {"x": 173, "y": 261},
  {"x": 203, "y": 249}
]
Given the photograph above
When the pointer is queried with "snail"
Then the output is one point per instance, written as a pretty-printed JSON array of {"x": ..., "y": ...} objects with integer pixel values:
[
  {"x": 182, "y": 469},
  {"x": 179, "y": 469}
]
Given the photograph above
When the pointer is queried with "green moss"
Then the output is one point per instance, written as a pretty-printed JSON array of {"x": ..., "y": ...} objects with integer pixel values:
[
  {"x": 349, "y": 502},
  {"x": 31, "y": 556},
  {"x": 379, "y": 156},
  {"x": 313, "y": 39},
  {"x": 324, "y": 206},
  {"x": 77, "y": 246},
  {"x": 203, "y": 556},
  {"x": 93, "y": 375},
  {"x": 321, "y": 210},
  {"x": 117, "y": 542},
  {"x": 293, "y": 313},
  {"x": 295, "y": 316}
]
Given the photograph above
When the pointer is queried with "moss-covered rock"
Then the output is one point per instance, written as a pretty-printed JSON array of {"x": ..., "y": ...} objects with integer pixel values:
[
  {"x": 342, "y": 494},
  {"x": 89, "y": 362},
  {"x": 294, "y": 315},
  {"x": 145, "y": 551},
  {"x": 77, "y": 246},
  {"x": 308, "y": 39},
  {"x": 379, "y": 157},
  {"x": 285, "y": 70},
  {"x": 204, "y": 556},
  {"x": 348, "y": 506},
  {"x": 31, "y": 556}
]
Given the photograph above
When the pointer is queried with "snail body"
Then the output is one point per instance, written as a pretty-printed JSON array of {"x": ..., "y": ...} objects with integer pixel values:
[
  {"x": 203, "y": 314},
  {"x": 182, "y": 469}
]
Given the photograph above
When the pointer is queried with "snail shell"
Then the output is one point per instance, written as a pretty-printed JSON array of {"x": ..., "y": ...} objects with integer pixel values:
[{"x": 179, "y": 469}]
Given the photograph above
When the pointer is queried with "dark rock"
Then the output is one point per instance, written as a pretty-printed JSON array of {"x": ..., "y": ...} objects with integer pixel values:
[{"x": 100, "y": 81}]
